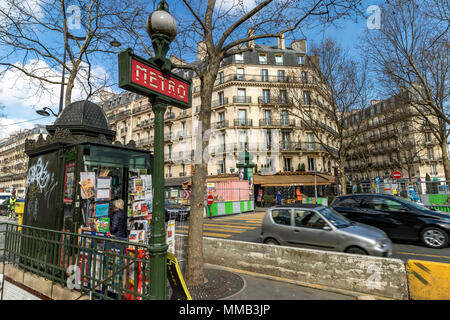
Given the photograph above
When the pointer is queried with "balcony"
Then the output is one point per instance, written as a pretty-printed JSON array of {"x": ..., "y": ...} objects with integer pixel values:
[
  {"x": 182, "y": 174},
  {"x": 144, "y": 142},
  {"x": 170, "y": 116},
  {"x": 243, "y": 123},
  {"x": 273, "y": 100},
  {"x": 220, "y": 124},
  {"x": 123, "y": 130},
  {"x": 220, "y": 102},
  {"x": 242, "y": 99},
  {"x": 255, "y": 78},
  {"x": 269, "y": 122}
]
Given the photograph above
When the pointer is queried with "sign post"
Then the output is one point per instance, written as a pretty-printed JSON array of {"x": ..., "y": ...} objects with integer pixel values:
[
  {"x": 153, "y": 78},
  {"x": 210, "y": 201}
]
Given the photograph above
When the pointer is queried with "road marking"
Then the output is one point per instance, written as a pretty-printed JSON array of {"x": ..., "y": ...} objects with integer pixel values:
[
  {"x": 218, "y": 235},
  {"x": 422, "y": 254},
  {"x": 217, "y": 229},
  {"x": 229, "y": 226}
]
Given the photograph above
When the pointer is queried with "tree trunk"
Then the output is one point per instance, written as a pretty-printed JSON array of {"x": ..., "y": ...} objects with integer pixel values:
[
  {"x": 71, "y": 83},
  {"x": 194, "y": 274},
  {"x": 444, "y": 151},
  {"x": 342, "y": 179}
]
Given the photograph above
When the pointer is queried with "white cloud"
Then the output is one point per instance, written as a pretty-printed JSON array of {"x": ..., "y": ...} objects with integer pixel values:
[{"x": 22, "y": 95}]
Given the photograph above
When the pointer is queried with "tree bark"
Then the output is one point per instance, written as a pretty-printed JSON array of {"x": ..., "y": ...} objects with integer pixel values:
[
  {"x": 194, "y": 274},
  {"x": 444, "y": 151}
]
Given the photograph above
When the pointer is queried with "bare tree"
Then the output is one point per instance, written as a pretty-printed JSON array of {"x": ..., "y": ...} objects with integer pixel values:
[
  {"x": 220, "y": 27},
  {"x": 41, "y": 38},
  {"x": 341, "y": 90},
  {"x": 409, "y": 53}
]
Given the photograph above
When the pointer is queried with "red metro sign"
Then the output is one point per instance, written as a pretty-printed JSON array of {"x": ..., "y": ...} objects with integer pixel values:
[{"x": 143, "y": 77}]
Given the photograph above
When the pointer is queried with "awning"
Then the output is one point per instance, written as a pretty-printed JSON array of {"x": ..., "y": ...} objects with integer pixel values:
[
  {"x": 292, "y": 180},
  {"x": 187, "y": 182},
  {"x": 176, "y": 182}
]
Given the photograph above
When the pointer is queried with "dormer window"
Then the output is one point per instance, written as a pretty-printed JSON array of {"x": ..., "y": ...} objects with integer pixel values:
[
  {"x": 262, "y": 58},
  {"x": 279, "y": 59}
]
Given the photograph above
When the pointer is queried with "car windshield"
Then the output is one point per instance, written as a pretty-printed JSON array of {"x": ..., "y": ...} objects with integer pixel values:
[
  {"x": 335, "y": 218},
  {"x": 411, "y": 203},
  {"x": 2, "y": 198}
]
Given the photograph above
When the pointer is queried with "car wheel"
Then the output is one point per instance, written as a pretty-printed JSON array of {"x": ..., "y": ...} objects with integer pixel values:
[
  {"x": 434, "y": 237},
  {"x": 272, "y": 242},
  {"x": 356, "y": 250}
]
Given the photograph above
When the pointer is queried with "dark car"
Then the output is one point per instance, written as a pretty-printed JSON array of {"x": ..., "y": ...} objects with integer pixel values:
[
  {"x": 400, "y": 218},
  {"x": 4, "y": 206},
  {"x": 176, "y": 211}
]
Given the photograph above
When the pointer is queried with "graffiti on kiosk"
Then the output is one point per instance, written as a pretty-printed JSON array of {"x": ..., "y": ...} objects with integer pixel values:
[{"x": 39, "y": 181}]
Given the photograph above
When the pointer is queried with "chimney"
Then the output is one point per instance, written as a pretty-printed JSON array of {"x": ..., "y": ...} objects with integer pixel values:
[
  {"x": 201, "y": 50},
  {"x": 299, "y": 45},
  {"x": 251, "y": 33},
  {"x": 281, "y": 43}
]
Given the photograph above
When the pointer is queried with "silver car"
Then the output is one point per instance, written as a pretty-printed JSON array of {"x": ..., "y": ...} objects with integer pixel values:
[{"x": 319, "y": 227}]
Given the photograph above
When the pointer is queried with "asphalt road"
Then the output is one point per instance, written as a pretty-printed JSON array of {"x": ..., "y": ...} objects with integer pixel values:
[{"x": 247, "y": 227}]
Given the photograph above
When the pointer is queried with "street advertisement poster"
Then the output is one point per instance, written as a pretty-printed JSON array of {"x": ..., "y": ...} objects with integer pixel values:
[
  {"x": 179, "y": 288},
  {"x": 101, "y": 209},
  {"x": 170, "y": 239},
  {"x": 147, "y": 178},
  {"x": 103, "y": 195},
  {"x": 69, "y": 181},
  {"x": 102, "y": 225},
  {"x": 87, "y": 188}
]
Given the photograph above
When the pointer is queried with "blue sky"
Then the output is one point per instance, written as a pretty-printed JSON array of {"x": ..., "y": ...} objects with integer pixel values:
[{"x": 17, "y": 94}]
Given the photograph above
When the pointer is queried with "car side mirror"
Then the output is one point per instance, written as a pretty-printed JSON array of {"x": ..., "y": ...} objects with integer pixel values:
[{"x": 327, "y": 228}]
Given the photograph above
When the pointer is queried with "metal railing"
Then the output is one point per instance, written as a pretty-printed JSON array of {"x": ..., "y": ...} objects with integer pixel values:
[{"x": 102, "y": 267}]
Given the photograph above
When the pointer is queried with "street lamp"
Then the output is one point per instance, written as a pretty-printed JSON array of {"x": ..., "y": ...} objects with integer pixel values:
[
  {"x": 162, "y": 29},
  {"x": 45, "y": 113}
]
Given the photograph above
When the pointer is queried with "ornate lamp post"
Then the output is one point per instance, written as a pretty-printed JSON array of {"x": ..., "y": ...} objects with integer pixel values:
[{"x": 162, "y": 28}]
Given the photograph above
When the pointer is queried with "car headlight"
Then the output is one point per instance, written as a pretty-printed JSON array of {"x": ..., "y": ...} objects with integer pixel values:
[{"x": 381, "y": 243}]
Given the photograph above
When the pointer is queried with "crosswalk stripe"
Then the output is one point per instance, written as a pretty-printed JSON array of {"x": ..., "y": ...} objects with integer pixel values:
[
  {"x": 217, "y": 229},
  {"x": 228, "y": 225},
  {"x": 209, "y": 234}
]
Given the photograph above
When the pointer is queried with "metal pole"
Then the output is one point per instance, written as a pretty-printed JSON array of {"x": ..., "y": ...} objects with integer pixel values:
[
  {"x": 315, "y": 182},
  {"x": 158, "y": 246}
]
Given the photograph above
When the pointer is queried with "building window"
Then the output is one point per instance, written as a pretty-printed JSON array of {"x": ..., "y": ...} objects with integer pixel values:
[
  {"x": 430, "y": 154},
  {"x": 433, "y": 169},
  {"x": 279, "y": 59},
  {"x": 306, "y": 98},
  {"x": 242, "y": 117},
  {"x": 243, "y": 139},
  {"x": 311, "y": 164},
  {"x": 304, "y": 77},
  {"x": 241, "y": 95},
  {"x": 221, "y": 77},
  {"x": 427, "y": 136},
  {"x": 281, "y": 76},
  {"x": 283, "y": 98},
  {"x": 266, "y": 95},
  {"x": 221, "y": 98},
  {"x": 284, "y": 117},
  {"x": 300, "y": 59},
  {"x": 262, "y": 58},
  {"x": 240, "y": 74},
  {"x": 288, "y": 164},
  {"x": 239, "y": 58},
  {"x": 264, "y": 75}
]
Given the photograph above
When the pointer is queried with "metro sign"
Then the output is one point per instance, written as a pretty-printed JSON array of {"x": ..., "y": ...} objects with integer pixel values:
[{"x": 144, "y": 77}]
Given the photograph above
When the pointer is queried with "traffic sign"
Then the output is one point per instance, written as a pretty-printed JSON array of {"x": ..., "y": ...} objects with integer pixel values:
[
  {"x": 187, "y": 194},
  {"x": 210, "y": 199},
  {"x": 397, "y": 175}
]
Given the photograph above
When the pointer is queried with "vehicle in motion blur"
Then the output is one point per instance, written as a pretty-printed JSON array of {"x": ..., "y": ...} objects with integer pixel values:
[
  {"x": 400, "y": 218},
  {"x": 320, "y": 227}
]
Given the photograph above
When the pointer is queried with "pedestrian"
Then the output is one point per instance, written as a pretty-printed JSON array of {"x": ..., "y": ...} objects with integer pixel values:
[
  {"x": 279, "y": 198},
  {"x": 12, "y": 206},
  {"x": 118, "y": 220}
]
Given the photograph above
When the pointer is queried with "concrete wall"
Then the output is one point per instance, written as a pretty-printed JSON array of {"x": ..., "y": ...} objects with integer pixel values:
[{"x": 367, "y": 275}]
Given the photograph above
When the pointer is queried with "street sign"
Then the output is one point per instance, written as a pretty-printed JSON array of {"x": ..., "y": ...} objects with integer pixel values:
[
  {"x": 397, "y": 175},
  {"x": 144, "y": 77},
  {"x": 187, "y": 194},
  {"x": 210, "y": 199}
]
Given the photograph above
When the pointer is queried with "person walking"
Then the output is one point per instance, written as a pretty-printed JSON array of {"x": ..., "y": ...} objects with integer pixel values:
[
  {"x": 118, "y": 222},
  {"x": 12, "y": 206}
]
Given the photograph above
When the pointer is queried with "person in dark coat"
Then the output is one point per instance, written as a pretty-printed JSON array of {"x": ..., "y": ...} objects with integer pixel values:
[{"x": 118, "y": 222}]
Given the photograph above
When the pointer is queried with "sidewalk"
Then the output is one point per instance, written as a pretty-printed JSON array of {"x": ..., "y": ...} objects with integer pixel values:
[{"x": 247, "y": 286}]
